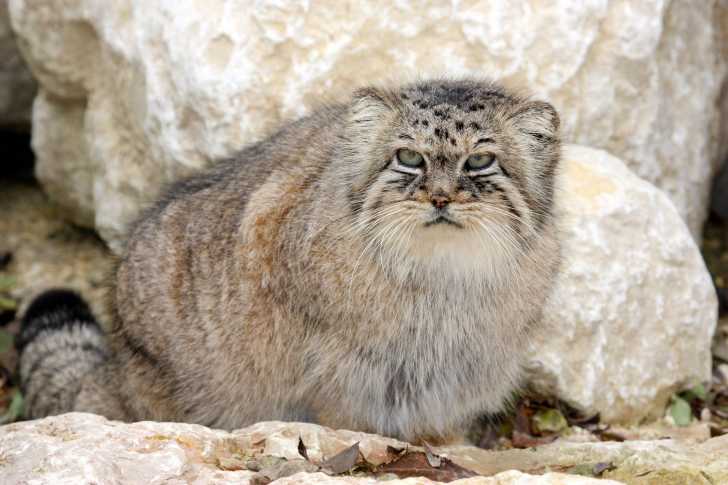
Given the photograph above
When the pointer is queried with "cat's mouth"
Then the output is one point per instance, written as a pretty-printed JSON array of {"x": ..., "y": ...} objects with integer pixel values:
[{"x": 442, "y": 218}]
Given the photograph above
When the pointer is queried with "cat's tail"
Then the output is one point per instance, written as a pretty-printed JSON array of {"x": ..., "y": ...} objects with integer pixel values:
[{"x": 59, "y": 343}]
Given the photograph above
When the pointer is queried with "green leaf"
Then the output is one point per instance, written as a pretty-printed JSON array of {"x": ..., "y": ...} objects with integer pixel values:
[
  {"x": 15, "y": 410},
  {"x": 7, "y": 304},
  {"x": 680, "y": 411},
  {"x": 549, "y": 421},
  {"x": 697, "y": 392},
  {"x": 7, "y": 282},
  {"x": 6, "y": 340}
]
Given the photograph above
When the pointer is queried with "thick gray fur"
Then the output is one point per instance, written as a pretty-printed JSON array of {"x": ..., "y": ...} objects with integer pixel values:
[{"x": 311, "y": 277}]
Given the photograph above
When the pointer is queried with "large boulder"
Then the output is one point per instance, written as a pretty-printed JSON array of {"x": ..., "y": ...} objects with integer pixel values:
[
  {"x": 84, "y": 448},
  {"x": 634, "y": 308},
  {"x": 136, "y": 94},
  {"x": 17, "y": 87}
]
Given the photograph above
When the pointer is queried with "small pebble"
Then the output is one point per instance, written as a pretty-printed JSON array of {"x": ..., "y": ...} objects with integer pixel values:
[{"x": 705, "y": 415}]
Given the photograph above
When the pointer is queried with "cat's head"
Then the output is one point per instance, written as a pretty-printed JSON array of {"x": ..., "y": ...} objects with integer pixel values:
[{"x": 453, "y": 172}]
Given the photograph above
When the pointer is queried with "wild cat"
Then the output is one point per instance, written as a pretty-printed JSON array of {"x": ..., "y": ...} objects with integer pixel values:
[{"x": 378, "y": 265}]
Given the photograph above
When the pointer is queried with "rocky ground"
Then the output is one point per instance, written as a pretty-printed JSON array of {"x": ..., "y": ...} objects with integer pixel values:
[{"x": 76, "y": 448}]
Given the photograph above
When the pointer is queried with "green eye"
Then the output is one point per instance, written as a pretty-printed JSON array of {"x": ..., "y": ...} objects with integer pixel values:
[
  {"x": 409, "y": 158},
  {"x": 479, "y": 162}
]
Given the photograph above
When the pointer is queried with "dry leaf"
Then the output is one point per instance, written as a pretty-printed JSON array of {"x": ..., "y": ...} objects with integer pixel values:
[
  {"x": 302, "y": 448},
  {"x": 342, "y": 462},
  {"x": 416, "y": 464},
  {"x": 432, "y": 458}
]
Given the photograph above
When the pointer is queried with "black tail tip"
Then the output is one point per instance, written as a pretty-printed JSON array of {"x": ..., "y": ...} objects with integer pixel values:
[{"x": 52, "y": 309}]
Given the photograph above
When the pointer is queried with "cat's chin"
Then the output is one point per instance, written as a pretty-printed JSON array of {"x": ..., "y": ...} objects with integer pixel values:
[{"x": 455, "y": 249}]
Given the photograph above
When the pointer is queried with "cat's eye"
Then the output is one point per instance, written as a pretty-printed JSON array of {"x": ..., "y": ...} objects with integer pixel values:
[
  {"x": 409, "y": 158},
  {"x": 480, "y": 161}
]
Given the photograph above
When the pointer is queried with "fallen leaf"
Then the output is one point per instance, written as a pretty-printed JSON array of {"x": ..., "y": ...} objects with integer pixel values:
[
  {"x": 522, "y": 421},
  {"x": 392, "y": 450},
  {"x": 15, "y": 410},
  {"x": 549, "y": 421},
  {"x": 416, "y": 464},
  {"x": 342, "y": 462},
  {"x": 602, "y": 467},
  {"x": 392, "y": 454},
  {"x": 590, "y": 469},
  {"x": 681, "y": 411},
  {"x": 302, "y": 448},
  {"x": 697, "y": 392},
  {"x": 432, "y": 458}
]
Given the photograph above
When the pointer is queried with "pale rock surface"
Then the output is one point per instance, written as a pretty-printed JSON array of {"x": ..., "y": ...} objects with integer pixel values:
[
  {"x": 84, "y": 448},
  {"x": 634, "y": 308},
  {"x": 155, "y": 90},
  {"x": 17, "y": 87},
  {"x": 721, "y": 16}
]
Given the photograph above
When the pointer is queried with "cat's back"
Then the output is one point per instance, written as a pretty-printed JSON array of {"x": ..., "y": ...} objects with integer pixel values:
[{"x": 180, "y": 259}]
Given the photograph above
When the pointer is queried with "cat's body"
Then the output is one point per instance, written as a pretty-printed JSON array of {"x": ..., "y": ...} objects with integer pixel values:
[{"x": 319, "y": 277}]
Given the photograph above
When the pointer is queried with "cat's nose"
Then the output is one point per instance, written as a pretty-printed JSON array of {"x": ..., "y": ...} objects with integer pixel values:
[{"x": 440, "y": 201}]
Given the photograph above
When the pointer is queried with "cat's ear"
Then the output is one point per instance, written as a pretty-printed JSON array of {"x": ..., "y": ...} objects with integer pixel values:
[
  {"x": 538, "y": 120},
  {"x": 370, "y": 104}
]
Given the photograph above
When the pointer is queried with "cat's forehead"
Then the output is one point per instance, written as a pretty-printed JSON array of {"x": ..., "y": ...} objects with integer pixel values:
[
  {"x": 443, "y": 113},
  {"x": 454, "y": 96}
]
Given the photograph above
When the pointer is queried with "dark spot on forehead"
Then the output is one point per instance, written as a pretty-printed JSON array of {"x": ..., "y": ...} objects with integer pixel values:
[
  {"x": 440, "y": 114},
  {"x": 454, "y": 94},
  {"x": 425, "y": 123},
  {"x": 441, "y": 133},
  {"x": 465, "y": 95},
  {"x": 453, "y": 142},
  {"x": 474, "y": 125},
  {"x": 459, "y": 125}
]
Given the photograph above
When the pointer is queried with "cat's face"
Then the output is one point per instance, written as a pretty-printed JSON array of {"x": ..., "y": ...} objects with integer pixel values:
[{"x": 459, "y": 173}]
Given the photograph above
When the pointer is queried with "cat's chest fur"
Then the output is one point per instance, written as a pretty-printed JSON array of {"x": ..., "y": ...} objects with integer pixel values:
[{"x": 428, "y": 359}]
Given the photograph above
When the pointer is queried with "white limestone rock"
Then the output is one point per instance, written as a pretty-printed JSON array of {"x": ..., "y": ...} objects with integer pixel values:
[
  {"x": 84, "y": 448},
  {"x": 17, "y": 87},
  {"x": 165, "y": 87},
  {"x": 634, "y": 309}
]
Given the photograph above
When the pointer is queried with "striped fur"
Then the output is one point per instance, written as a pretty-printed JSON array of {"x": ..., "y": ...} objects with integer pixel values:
[{"x": 60, "y": 344}]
